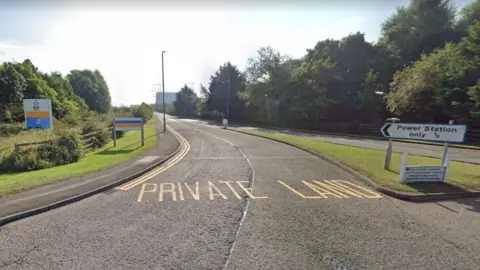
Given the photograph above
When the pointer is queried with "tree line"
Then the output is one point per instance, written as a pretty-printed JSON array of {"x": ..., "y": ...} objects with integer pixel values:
[
  {"x": 424, "y": 67},
  {"x": 77, "y": 93}
]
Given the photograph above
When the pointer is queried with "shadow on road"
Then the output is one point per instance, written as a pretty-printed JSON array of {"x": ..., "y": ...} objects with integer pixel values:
[
  {"x": 436, "y": 187},
  {"x": 473, "y": 203}
]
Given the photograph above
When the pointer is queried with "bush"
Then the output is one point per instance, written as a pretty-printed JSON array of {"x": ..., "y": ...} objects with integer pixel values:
[
  {"x": 101, "y": 136},
  {"x": 10, "y": 129},
  {"x": 67, "y": 149},
  {"x": 144, "y": 111}
]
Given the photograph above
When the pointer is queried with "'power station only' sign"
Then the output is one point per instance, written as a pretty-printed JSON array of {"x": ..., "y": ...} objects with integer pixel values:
[{"x": 425, "y": 132}]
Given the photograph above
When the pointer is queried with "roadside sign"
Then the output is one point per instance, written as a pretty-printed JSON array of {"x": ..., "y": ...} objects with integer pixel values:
[
  {"x": 425, "y": 132},
  {"x": 424, "y": 174},
  {"x": 38, "y": 113},
  {"x": 414, "y": 174},
  {"x": 126, "y": 124}
]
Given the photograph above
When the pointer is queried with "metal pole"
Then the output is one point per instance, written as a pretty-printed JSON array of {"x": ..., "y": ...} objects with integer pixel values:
[
  {"x": 445, "y": 147},
  {"x": 388, "y": 155},
  {"x": 228, "y": 96},
  {"x": 114, "y": 130},
  {"x": 143, "y": 135},
  {"x": 163, "y": 94}
]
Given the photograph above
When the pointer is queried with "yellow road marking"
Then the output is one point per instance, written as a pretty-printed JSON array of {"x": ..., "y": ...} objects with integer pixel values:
[
  {"x": 231, "y": 188},
  {"x": 249, "y": 191},
  {"x": 171, "y": 190},
  {"x": 183, "y": 152},
  {"x": 182, "y": 191},
  {"x": 300, "y": 194}
]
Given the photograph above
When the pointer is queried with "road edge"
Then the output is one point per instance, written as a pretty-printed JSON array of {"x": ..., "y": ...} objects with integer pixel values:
[
  {"x": 35, "y": 211},
  {"x": 396, "y": 194}
]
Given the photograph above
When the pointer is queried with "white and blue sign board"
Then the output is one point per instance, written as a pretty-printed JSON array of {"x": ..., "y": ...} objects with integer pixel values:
[
  {"x": 425, "y": 132},
  {"x": 127, "y": 124},
  {"x": 38, "y": 113},
  {"x": 124, "y": 124}
]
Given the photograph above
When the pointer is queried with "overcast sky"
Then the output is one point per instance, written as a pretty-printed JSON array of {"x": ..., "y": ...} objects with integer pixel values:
[{"x": 124, "y": 41}]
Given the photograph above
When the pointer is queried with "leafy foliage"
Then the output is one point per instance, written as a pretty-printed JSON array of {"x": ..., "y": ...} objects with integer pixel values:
[
  {"x": 67, "y": 149},
  {"x": 91, "y": 86},
  {"x": 144, "y": 111},
  {"x": 186, "y": 102},
  {"x": 425, "y": 67}
]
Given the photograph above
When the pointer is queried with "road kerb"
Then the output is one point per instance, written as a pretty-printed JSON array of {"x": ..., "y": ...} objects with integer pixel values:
[
  {"x": 399, "y": 195},
  {"x": 20, "y": 215}
]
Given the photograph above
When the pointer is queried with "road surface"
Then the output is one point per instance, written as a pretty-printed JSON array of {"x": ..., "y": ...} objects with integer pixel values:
[{"x": 238, "y": 202}]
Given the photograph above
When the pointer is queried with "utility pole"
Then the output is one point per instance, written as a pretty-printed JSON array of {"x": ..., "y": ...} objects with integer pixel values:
[
  {"x": 156, "y": 90},
  {"x": 228, "y": 96},
  {"x": 163, "y": 94}
]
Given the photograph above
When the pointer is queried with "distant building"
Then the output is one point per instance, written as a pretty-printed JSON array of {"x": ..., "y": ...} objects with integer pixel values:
[{"x": 169, "y": 97}]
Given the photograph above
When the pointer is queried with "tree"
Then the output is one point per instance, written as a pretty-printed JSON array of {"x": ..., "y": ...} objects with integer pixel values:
[
  {"x": 144, "y": 111},
  {"x": 224, "y": 92},
  {"x": 419, "y": 28},
  {"x": 91, "y": 86},
  {"x": 431, "y": 88},
  {"x": 12, "y": 87},
  {"x": 186, "y": 102},
  {"x": 468, "y": 16},
  {"x": 470, "y": 47}
]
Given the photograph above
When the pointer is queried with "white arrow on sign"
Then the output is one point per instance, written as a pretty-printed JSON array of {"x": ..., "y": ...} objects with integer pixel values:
[{"x": 425, "y": 132}]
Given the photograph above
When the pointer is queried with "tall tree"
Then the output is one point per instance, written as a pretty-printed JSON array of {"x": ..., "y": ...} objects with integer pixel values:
[
  {"x": 419, "y": 28},
  {"x": 224, "y": 91},
  {"x": 12, "y": 87},
  {"x": 91, "y": 86},
  {"x": 468, "y": 15},
  {"x": 186, "y": 102}
]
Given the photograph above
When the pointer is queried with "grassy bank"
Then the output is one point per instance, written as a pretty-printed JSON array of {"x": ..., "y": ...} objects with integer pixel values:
[
  {"x": 127, "y": 148},
  {"x": 369, "y": 162}
]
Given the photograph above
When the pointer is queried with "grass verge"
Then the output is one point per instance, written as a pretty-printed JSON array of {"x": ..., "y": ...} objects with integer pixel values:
[
  {"x": 128, "y": 147},
  {"x": 369, "y": 162}
]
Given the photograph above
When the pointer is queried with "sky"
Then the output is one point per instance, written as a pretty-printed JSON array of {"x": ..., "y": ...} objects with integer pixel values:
[{"x": 124, "y": 39}]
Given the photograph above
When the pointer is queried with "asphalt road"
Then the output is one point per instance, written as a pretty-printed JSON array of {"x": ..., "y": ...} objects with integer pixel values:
[{"x": 238, "y": 202}]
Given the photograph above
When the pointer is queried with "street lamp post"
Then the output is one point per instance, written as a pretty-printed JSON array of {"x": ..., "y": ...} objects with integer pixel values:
[
  {"x": 228, "y": 96},
  {"x": 163, "y": 95}
]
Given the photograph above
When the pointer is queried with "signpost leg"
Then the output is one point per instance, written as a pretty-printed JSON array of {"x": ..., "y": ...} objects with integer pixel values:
[
  {"x": 445, "y": 165},
  {"x": 445, "y": 153},
  {"x": 143, "y": 137},
  {"x": 445, "y": 148},
  {"x": 388, "y": 155},
  {"x": 403, "y": 168},
  {"x": 114, "y": 134}
]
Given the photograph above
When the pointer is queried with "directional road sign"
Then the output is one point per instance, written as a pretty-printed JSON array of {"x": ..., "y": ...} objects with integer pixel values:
[{"x": 425, "y": 132}]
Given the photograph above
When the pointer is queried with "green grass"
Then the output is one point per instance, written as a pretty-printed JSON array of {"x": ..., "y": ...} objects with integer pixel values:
[
  {"x": 127, "y": 148},
  {"x": 441, "y": 144},
  {"x": 369, "y": 162}
]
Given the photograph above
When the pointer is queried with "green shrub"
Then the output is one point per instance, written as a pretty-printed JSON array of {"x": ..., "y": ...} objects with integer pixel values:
[
  {"x": 101, "y": 135},
  {"x": 144, "y": 111},
  {"x": 10, "y": 129},
  {"x": 67, "y": 149}
]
